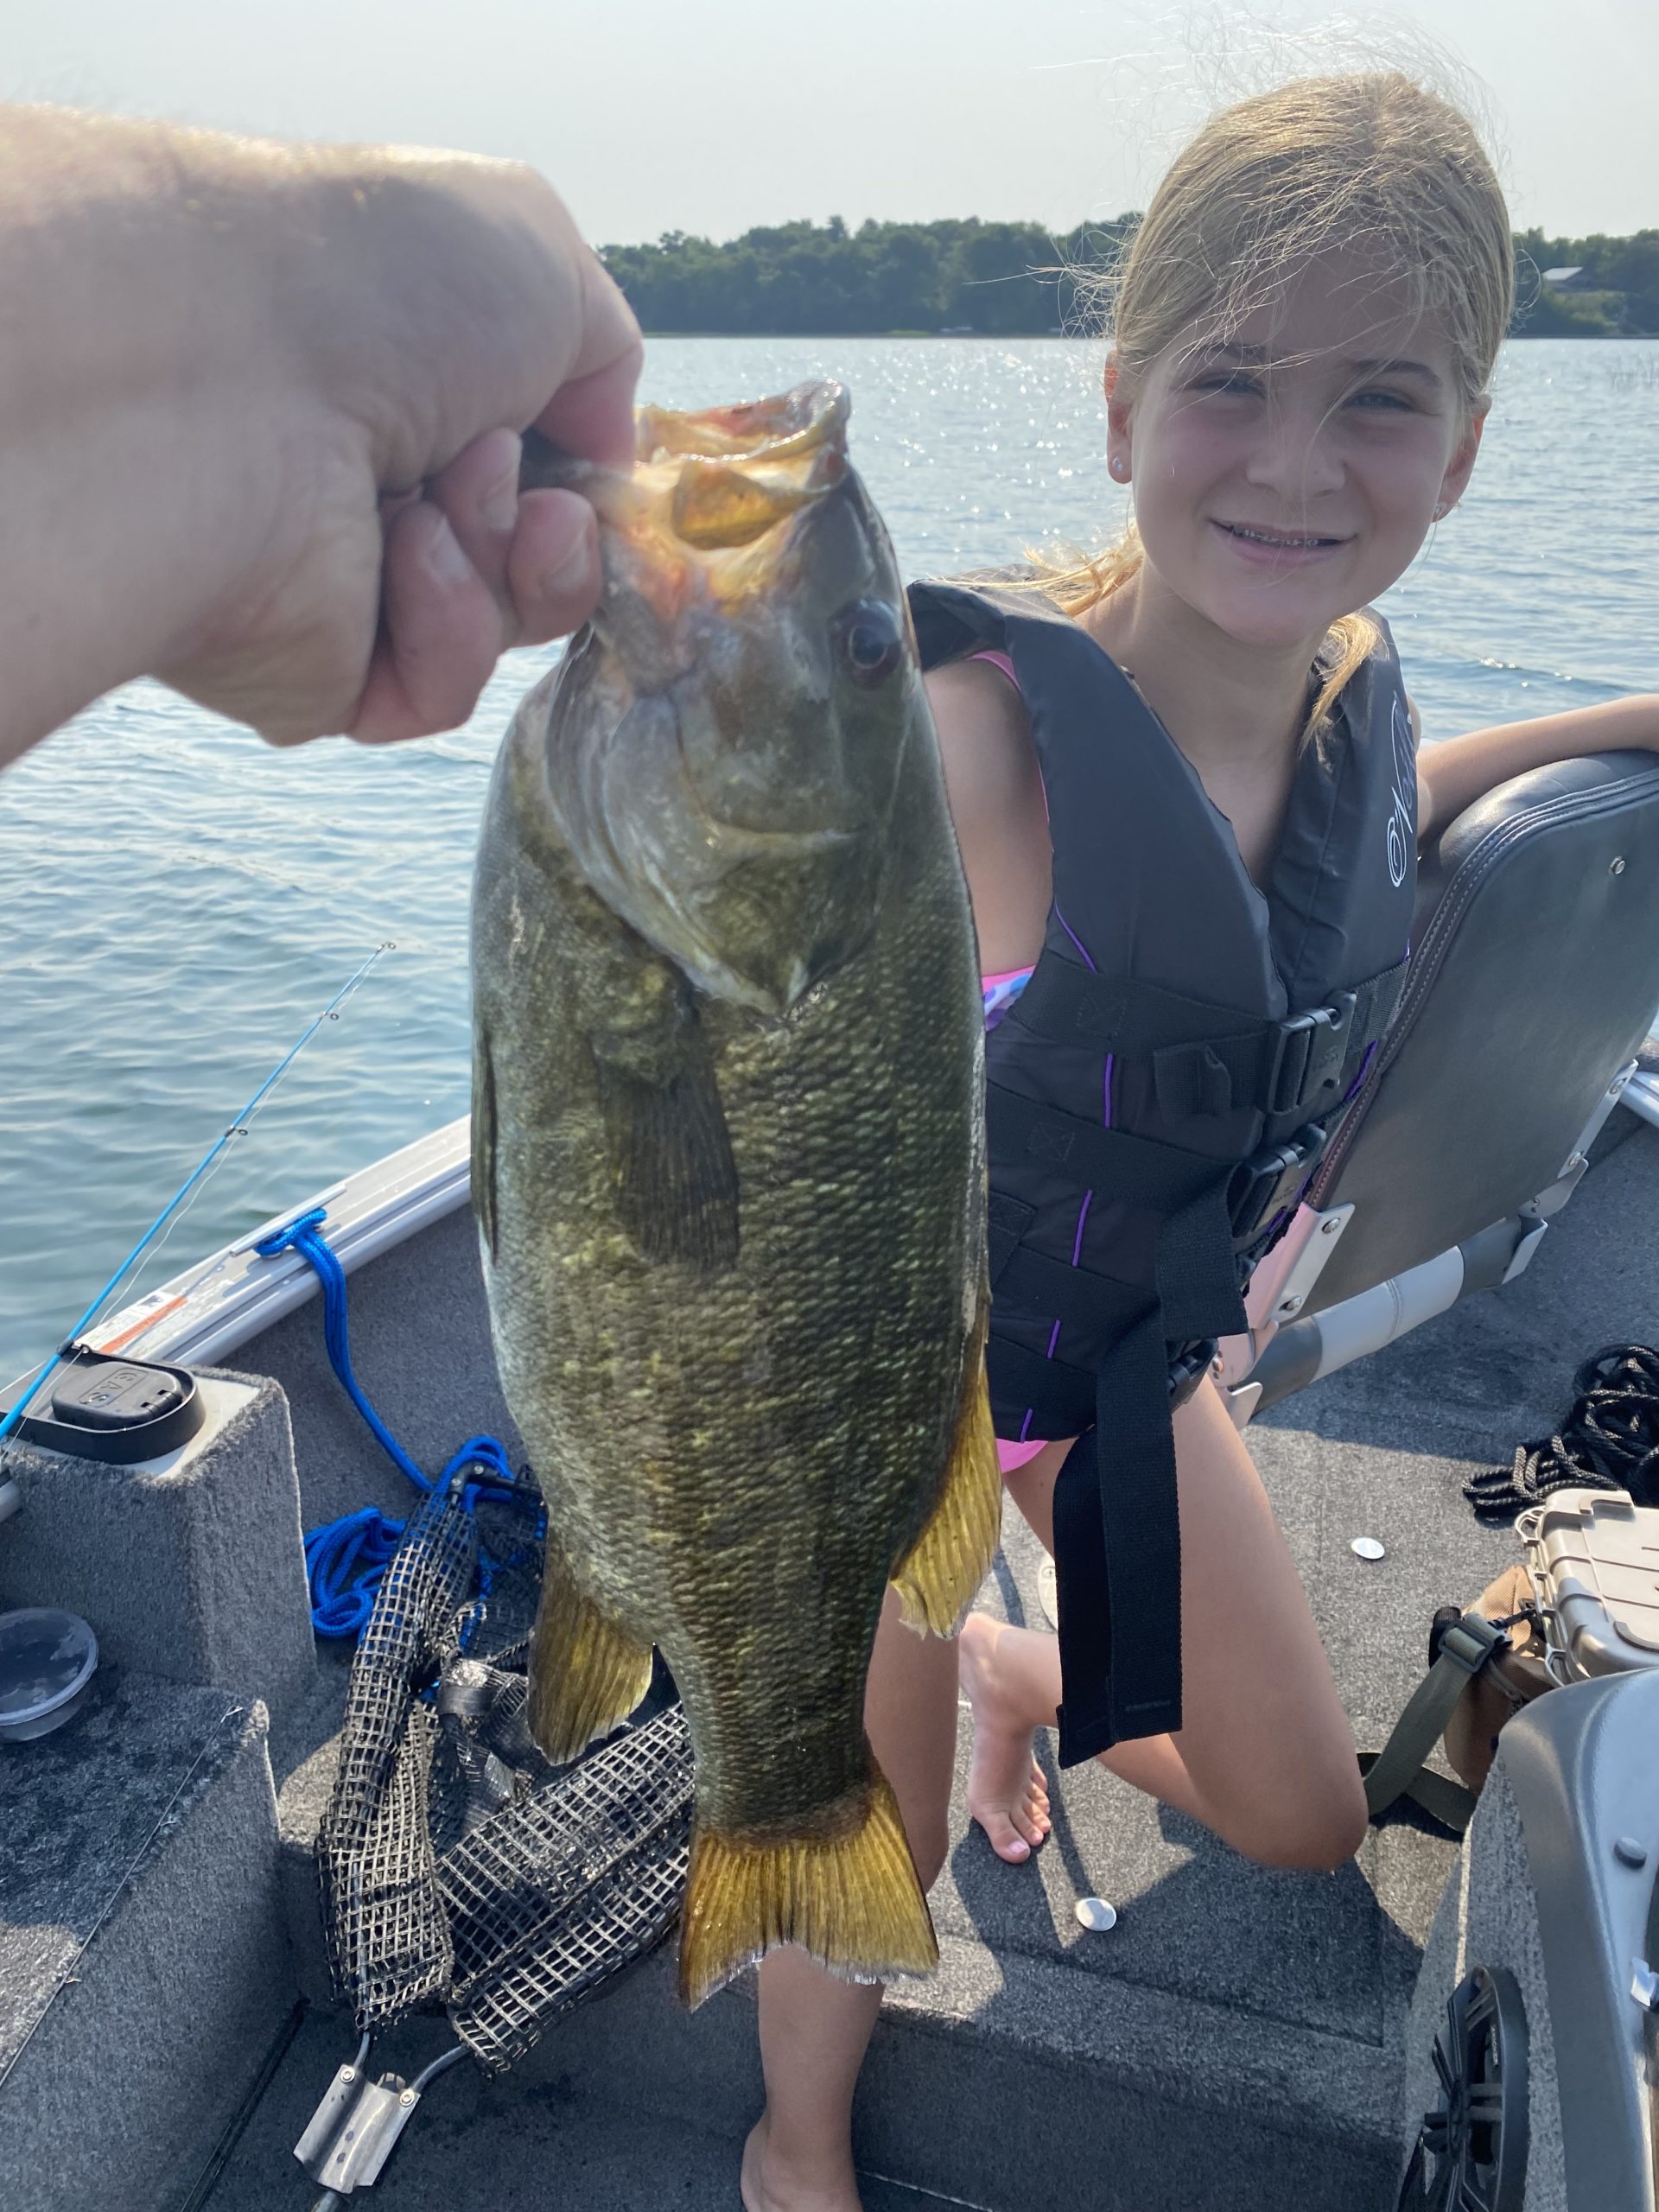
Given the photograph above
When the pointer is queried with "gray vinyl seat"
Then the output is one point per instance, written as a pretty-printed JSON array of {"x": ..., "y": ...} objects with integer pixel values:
[{"x": 1533, "y": 980}]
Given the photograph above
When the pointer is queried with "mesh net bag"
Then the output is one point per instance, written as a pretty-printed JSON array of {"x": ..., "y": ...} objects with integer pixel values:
[
  {"x": 388, "y": 1936},
  {"x": 455, "y": 1863}
]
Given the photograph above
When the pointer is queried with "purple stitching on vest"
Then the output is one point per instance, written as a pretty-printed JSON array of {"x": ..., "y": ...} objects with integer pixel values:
[
  {"x": 1106, "y": 1094},
  {"x": 1083, "y": 1216},
  {"x": 1076, "y": 940},
  {"x": 1025, "y": 1426},
  {"x": 1053, "y": 1338},
  {"x": 1365, "y": 1070}
]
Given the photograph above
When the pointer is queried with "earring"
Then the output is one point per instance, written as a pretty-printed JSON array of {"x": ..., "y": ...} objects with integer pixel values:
[
  {"x": 1441, "y": 512},
  {"x": 1119, "y": 467}
]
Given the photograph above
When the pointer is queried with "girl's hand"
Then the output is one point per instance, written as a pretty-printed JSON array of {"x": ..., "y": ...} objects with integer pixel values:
[{"x": 261, "y": 431}]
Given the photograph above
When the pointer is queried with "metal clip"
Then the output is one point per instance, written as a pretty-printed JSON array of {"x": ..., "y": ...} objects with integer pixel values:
[
  {"x": 1644, "y": 1985},
  {"x": 354, "y": 2129}
]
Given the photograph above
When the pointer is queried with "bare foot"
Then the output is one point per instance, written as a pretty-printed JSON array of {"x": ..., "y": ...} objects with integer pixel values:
[
  {"x": 1007, "y": 1794},
  {"x": 770, "y": 2184}
]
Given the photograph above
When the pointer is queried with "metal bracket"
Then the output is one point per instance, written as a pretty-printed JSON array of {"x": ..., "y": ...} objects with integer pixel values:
[
  {"x": 353, "y": 2131},
  {"x": 1241, "y": 1402},
  {"x": 1644, "y": 1985},
  {"x": 1521, "y": 1258},
  {"x": 1310, "y": 1261}
]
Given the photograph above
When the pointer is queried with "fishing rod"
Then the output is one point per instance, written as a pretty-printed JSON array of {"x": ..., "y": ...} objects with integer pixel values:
[{"x": 181, "y": 1196}]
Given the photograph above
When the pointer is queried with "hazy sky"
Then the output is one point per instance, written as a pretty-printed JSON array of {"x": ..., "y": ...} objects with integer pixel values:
[{"x": 654, "y": 115}]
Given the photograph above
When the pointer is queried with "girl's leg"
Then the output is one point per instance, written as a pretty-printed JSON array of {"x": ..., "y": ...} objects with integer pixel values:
[
  {"x": 1265, "y": 1756},
  {"x": 814, "y": 2030}
]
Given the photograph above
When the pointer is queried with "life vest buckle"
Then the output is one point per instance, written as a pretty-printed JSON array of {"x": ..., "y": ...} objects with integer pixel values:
[
  {"x": 1309, "y": 1057},
  {"x": 1264, "y": 1193}
]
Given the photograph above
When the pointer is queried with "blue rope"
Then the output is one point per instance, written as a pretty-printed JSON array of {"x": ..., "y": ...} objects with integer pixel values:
[{"x": 345, "y": 1560}]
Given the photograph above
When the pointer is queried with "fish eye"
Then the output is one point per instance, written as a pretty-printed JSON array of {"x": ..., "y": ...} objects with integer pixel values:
[{"x": 870, "y": 640}]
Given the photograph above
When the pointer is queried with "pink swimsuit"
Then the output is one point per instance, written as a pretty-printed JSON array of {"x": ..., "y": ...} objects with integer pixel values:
[{"x": 1000, "y": 992}]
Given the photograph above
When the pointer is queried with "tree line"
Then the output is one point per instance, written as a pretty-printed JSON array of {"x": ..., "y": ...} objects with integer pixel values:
[{"x": 1017, "y": 280}]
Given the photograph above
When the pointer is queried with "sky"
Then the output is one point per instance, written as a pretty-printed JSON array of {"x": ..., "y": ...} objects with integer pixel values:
[{"x": 658, "y": 115}]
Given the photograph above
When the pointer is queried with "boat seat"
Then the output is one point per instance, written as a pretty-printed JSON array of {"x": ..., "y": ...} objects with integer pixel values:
[{"x": 1534, "y": 978}]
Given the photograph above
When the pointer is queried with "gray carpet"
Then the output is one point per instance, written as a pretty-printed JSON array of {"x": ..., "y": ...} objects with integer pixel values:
[{"x": 530, "y": 2143}]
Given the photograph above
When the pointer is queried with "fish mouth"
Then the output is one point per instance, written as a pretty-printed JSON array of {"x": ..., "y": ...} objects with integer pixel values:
[{"x": 707, "y": 490}]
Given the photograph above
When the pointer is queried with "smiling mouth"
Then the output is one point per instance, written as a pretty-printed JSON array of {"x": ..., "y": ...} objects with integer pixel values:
[{"x": 1279, "y": 540}]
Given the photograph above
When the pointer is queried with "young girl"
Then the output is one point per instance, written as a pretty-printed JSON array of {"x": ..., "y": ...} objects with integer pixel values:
[{"x": 1303, "y": 334}]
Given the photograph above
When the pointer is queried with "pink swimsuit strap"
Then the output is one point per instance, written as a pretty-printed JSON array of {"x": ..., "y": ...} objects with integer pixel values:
[{"x": 998, "y": 660}]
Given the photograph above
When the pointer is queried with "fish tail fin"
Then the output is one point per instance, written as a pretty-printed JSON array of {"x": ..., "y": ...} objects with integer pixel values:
[
  {"x": 937, "y": 1578},
  {"x": 850, "y": 1898},
  {"x": 586, "y": 1673}
]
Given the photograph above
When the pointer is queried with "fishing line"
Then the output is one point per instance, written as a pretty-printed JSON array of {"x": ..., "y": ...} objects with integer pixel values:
[{"x": 188, "y": 1191}]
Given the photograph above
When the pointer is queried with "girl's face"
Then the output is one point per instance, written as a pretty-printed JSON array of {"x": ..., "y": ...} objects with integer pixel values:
[{"x": 1288, "y": 475}]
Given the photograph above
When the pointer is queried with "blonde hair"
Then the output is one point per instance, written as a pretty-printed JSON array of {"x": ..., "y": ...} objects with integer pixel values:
[{"x": 1370, "y": 160}]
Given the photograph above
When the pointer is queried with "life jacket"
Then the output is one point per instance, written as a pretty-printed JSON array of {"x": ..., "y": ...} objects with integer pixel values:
[{"x": 1159, "y": 1095}]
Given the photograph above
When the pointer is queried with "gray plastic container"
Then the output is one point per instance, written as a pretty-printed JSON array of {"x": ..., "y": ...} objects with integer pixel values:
[{"x": 48, "y": 1658}]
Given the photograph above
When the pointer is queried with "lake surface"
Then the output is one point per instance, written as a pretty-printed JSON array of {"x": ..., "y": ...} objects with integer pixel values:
[{"x": 177, "y": 900}]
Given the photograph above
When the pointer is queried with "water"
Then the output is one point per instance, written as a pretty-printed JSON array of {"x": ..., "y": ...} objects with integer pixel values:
[{"x": 179, "y": 900}]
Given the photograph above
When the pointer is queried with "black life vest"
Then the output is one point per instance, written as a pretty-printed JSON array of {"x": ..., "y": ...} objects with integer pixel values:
[{"x": 1159, "y": 1095}]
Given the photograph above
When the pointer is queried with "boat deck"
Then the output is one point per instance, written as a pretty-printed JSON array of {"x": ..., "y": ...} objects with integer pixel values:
[{"x": 1238, "y": 2036}]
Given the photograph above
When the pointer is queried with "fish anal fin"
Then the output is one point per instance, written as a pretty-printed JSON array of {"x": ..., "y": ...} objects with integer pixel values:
[
  {"x": 672, "y": 1171},
  {"x": 849, "y": 1896},
  {"x": 937, "y": 1578},
  {"x": 586, "y": 1673}
]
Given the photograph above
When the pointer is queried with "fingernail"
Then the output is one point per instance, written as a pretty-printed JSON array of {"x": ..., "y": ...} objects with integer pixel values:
[{"x": 445, "y": 557}]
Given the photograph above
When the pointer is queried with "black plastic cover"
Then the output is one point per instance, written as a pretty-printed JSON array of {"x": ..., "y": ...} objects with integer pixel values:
[{"x": 116, "y": 1409}]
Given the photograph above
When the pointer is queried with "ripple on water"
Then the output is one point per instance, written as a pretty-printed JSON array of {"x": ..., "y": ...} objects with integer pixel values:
[{"x": 180, "y": 899}]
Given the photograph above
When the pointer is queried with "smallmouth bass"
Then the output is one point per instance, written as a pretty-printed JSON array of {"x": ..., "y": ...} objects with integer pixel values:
[{"x": 728, "y": 1163}]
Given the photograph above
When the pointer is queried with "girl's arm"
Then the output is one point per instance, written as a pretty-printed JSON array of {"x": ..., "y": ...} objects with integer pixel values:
[
  {"x": 996, "y": 793},
  {"x": 1454, "y": 773}
]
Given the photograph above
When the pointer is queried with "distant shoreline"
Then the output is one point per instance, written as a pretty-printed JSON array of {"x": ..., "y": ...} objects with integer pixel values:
[
  {"x": 964, "y": 277},
  {"x": 1095, "y": 338}
]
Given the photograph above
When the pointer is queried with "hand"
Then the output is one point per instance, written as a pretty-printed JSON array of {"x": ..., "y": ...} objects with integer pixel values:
[
  {"x": 458, "y": 305},
  {"x": 260, "y": 428}
]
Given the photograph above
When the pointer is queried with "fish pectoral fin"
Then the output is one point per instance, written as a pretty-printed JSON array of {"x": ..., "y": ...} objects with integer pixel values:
[
  {"x": 586, "y": 1673},
  {"x": 672, "y": 1171},
  {"x": 848, "y": 1897},
  {"x": 938, "y": 1577}
]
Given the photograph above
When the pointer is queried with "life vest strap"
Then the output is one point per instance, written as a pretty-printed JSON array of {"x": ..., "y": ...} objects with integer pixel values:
[
  {"x": 1117, "y": 1517},
  {"x": 1035, "y": 1283},
  {"x": 1298, "y": 1066},
  {"x": 1107, "y": 1161},
  {"x": 1117, "y": 1554}
]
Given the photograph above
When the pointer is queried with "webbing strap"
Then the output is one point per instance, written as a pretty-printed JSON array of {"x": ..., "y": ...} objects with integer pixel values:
[
  {"x": 1037, "y": 1284},
  {"x": 1158, "y": 1177},
  {"x": 1297, "y": 1065},
  {"x": 1117, "y": 1536},
  {"x": 1437, "y": 1795},
  {"x": 1117, "y": 1557},
  {"x": 1398, "y": 1769}
]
